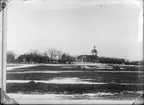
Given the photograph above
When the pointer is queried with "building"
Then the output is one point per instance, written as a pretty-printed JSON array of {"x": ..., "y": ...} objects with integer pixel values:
[{"x": 89, "y": 58}]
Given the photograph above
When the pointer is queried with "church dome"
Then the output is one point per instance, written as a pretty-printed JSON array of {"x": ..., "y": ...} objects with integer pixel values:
[{"x": 94, "y": 51}]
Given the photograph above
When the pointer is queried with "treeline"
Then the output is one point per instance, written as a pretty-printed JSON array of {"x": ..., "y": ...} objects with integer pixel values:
[
  {"x": 113, "y": 60},
  {"x": 50, "y": 56},
  {"x": 56, "y": 56}
]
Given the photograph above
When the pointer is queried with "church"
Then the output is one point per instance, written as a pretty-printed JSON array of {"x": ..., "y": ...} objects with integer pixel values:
[{"x": 89, "y": 58}]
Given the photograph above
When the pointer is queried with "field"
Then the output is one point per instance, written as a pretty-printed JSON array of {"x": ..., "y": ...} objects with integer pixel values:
[{"x": 76, "y": 81}]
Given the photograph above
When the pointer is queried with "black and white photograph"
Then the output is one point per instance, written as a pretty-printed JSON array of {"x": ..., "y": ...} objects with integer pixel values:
[{"x": 72, "y": 52}]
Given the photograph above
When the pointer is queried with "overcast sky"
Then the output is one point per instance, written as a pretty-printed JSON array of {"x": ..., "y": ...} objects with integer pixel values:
[{"x": 75, "y": 26}]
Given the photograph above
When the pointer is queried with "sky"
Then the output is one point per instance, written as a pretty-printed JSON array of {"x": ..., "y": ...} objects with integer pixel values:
[{"x": 75, "y": 26}]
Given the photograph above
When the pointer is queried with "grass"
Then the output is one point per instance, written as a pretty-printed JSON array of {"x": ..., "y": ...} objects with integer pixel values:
[{"x": 69, "y": 88}]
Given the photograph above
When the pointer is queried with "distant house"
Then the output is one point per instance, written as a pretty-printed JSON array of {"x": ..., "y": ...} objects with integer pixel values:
[{"x": 89, "y": 58}]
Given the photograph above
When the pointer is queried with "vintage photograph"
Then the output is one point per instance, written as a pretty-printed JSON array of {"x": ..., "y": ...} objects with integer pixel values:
[{"x": 74, "y": 51}]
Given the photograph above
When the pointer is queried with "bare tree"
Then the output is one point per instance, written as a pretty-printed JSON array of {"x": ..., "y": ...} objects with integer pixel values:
[
  {"x": 34, "y": 52},
  {"x": 66, "y": 58},
  {"x": 34, "y": 57},
  {"x": 10, "y": 57},
  {"x": 59, "y": 54},
  {"x": 52, "y": 54}
]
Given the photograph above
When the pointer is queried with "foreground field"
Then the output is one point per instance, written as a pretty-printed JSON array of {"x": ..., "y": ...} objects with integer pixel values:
[{"x": 76, "y": 82}]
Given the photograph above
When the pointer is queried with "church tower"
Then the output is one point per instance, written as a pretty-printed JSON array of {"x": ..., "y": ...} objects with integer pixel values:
[{"x": 94, "y": 51}]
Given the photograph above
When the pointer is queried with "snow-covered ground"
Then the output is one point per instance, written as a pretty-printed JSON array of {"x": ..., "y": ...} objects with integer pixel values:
[
  {"x": 56, "y": 99},
  {"x": 20, "y": 66},
  {"x": 50, "y": 71},
  {"x": 62, "y": 80},
  {"x": 58, "y": 81},
  {"x": 60, "y": 98}
]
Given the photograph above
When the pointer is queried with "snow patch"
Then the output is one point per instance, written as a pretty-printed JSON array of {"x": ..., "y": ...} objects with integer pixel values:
[
  {"x": 59, "y": 80},
  {"x": 20, "y": 66}
]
